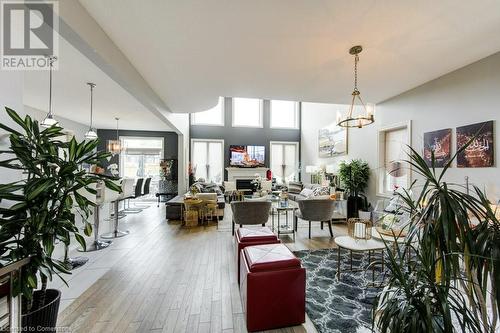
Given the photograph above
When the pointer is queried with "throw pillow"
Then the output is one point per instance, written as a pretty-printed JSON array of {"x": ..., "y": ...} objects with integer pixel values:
[
  {"x": 321, "y": 190},
  {"x": 321, "y": 197},
  {"x": 294, "y": 187},
  {"x": 307, "y": 192}
]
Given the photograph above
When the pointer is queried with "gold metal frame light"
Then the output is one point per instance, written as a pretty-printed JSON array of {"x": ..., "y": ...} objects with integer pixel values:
[
  {"x": 366, "y": 117},
  {"x": 115, "y": 146}
]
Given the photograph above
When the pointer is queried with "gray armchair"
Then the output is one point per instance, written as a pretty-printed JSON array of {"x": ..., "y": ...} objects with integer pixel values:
[
  {"x": 250, "y": 212},
  {"x": 320, "y": 210}
]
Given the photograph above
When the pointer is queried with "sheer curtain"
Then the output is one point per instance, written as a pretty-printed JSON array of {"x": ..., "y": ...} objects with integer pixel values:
[
  {"x": 208, "y": 158},
  {"x": 284, "y": 161}
]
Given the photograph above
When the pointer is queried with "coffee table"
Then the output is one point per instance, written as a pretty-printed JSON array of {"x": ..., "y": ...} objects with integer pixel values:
[{"x": 359, "y": 245}]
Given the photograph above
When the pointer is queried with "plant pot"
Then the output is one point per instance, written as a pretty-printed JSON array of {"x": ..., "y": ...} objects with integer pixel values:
[
  {"x": 43, "y": 319},
  {"x": 354, "y": 204}
]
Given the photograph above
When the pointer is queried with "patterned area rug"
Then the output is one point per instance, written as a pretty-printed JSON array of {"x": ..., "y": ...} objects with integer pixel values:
[{"x": 337, "y": 306}]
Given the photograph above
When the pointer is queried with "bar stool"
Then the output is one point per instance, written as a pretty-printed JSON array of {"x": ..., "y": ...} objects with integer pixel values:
[
  {"x": 97, "y": 199},
  {"x": 137, "y": 193},
  {"x": 114, "y": 198},
  {"x": 128, "y": 188}
]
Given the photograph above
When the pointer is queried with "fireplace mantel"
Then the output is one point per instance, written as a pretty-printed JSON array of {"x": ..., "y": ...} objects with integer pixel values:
[{"x": 245, "y": 173}]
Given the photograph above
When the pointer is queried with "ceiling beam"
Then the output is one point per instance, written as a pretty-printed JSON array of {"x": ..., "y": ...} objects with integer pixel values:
[{"x": 82, "y": 31}]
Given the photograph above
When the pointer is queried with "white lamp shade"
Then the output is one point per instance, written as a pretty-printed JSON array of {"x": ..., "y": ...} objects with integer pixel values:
[
  {"x": 49, "y": 121},
  {"x": 311, "y": 169},
  {"x": 331, "y": 168},
  {"x": 91, "y": 134}
]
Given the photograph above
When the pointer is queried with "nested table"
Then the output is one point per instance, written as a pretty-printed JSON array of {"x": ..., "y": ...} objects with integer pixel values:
[
  {"x": 287, "y": 228},
  {"x": 359, "y": 245}
]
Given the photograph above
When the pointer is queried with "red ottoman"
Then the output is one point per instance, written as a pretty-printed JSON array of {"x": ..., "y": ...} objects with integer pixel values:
[
  {"x": 249, "y": 237},
  {"x": 272, "y": 287}
]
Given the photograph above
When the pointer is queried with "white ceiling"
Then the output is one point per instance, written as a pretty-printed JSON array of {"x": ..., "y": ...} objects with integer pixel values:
[
  {"x": 71, "y": 95},
  {"x": 192, "y": 51}
]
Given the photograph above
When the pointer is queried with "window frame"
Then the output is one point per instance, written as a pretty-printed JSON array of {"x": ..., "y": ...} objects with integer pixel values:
[
  {"x": 381, "y": 147},
  {"x": 283, "y": 143},
  {"x": 296, "y": 116},
  {"x": 261, "y": 113},
  {"x": 221, "y": 100},
  {"x": 221, "y": 141}
]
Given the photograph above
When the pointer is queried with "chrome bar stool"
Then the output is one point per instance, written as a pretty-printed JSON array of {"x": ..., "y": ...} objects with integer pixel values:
[
  {"x": 114, "y": 198},
  {"x": 97, "y": 199}
]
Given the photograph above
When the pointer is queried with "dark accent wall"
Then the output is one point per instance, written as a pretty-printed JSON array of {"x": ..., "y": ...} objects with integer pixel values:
[
  {"x": 169, "y": 143},
  {"x": 243, "y": 135}
]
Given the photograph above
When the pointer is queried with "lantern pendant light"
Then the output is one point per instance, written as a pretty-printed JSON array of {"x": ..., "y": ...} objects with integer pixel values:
[
  {"x": 91, "y": 133},
  {"x": 361, "y": 118},
  {"x": 115, "y": 146},
  {"x": 49, "y": 120}
]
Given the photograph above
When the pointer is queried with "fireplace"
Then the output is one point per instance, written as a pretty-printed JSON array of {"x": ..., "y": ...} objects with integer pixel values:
[
  {"x": 244, "y": 184},
  {"x": 234, "y": 174}
]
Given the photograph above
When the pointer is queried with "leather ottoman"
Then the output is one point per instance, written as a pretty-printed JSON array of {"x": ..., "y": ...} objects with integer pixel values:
[
  {"x": 272, "y": 287},
  {"x": 249, "y": 237}
]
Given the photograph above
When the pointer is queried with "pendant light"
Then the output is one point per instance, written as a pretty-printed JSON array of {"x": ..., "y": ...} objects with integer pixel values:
[
  {"x": 49, "y": 120},
  {"x": 91, "y": 133},
  {"x": 115, "y": 146},
  {"x": 363, "y": 115}
]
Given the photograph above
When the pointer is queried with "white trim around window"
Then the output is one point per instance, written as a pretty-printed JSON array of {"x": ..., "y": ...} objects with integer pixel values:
[
  {"x": 296, "y": 120},
  {"x": 283, "y": 144},
  {"x": 261, "y": 113},
  {"x": 381, "y": 147},
  {"x": 207, "y": 142},
  {"x": 220, "y": 117}
]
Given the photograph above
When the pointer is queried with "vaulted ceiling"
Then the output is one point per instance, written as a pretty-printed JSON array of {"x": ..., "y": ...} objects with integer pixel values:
[{"x": 191, "y": 51}]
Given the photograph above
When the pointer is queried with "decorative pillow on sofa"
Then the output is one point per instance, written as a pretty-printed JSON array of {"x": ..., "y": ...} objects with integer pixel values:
[
  {"x": 321, "y": 190},
  {"x": 212, "y": 188},
  {"x": 294, "y": 187},
  {"x": 321, "y": 197},
  {"x": 307, "y": 192}
]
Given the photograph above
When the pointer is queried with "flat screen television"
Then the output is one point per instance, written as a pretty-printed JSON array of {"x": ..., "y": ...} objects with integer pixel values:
[{"x": 247, "y": 156}]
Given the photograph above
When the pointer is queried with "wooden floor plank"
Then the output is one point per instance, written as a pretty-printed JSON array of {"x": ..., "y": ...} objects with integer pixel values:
[{"x": 175, "y": 279}]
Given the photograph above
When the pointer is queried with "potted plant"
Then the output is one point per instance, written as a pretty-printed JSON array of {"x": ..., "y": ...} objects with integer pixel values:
[
  {"x": 39, "y": 210},
  {"x": 354, "y": 176},
  {"x": 446, "y": 276}
]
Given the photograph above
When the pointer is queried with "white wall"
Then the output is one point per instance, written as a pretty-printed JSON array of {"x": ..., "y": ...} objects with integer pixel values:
[
  {"x": 468, "y": 95},
  {"x": 77, "y": 129},
  {"x": 11, "y": 95}
]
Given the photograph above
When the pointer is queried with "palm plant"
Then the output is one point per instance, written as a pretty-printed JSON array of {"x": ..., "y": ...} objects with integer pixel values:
[
  {"x": 454, "y": 272},
  {"x": 41, "y": 206}
]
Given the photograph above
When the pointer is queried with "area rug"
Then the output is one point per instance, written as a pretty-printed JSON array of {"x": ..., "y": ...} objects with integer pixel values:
[{"x": 343, "y": 306}]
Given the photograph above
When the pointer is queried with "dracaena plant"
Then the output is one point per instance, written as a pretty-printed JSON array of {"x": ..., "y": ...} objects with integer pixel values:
[
  {"x": 451, "y": 280},
  {"x": 39, "y": 210}
]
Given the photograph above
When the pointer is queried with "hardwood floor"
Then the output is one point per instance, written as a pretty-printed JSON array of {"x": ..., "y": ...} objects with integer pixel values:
[{"x": 173, "y": 279}]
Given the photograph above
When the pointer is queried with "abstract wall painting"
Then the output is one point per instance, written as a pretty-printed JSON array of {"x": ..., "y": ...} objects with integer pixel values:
[
  {"x": 332, "y": 141},
  {"x": 438, "y": 142},
  {"x": 480, "y": 153}
]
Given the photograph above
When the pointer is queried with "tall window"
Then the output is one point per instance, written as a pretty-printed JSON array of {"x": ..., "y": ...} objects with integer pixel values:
[
  {"x": 211, "y": 117},
  {"x": 394, "y": 173},
  {"x": 141, "y": 158},
  {"x": 285, "y": 161},
  {"x": 284, "y": 114},
  {"x": 247, "y": 112},
  {"x": 207, "y": 157}
]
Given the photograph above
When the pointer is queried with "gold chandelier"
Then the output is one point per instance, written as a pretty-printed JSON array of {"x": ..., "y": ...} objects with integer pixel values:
[{"x": 364, "y": 116}]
